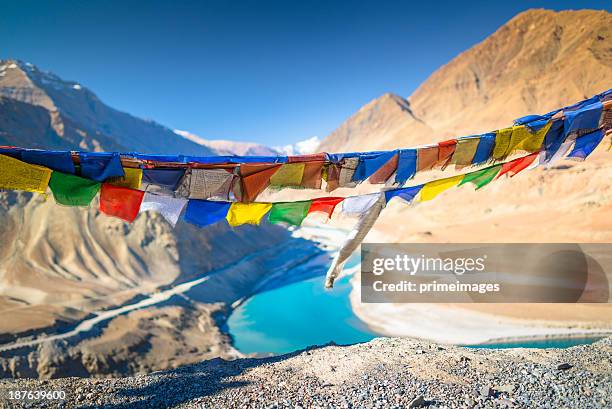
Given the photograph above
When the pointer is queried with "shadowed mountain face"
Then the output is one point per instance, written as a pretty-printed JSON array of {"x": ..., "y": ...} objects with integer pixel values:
[
  {"x": 538, "y": 61},
  {"x": 70, "y": 116}
]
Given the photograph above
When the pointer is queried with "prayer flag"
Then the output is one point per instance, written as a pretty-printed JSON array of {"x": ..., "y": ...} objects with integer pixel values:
[
  {"x": 523, "y": 139},
  {"x": 407, "y": 193},
  {"x": 255, "y": 179},
  {"x": 205, "y": 183},
  {"x": 553, "y": 139},
  {"x": 325, "y": 204},
  {"x": 347, "y": 172},
  {"x": 385, "y": 171},
  {"x": 289, "y": 174},
  {"x": 406, "y": 165},
  {"x": 586, "y": 117},
  {"x": 515, "y": 166},
  {"x": 71, "y": 190},
  {"x": 482, "y": 177},
  {"x": 290, "y": 212},
  {"x": 205, "y": 212},
  {"x": 427, "y": 158},
  {"x": 445, "y": 152},
  {"x": 354, "y": 238},
  {"x": 247, "y": 213},
  {"x": 355, "y": 205},
  {"x": 586, "y": 144},
  {"x": 169, "y": 207},
  {"x": 132, "y": 178},
  {"x": 165, "y": 178},
  {"x": 60, "y": 161},
  {"x": 370, "y": 163},
  {"x": 432, "y": 189},
  {"x": 100, "y": 166},
  {"x": 502, "y": 142},
  {"x": 485, "y": 147},
  {"x": 465, "y": 151},
  {"x": 312, "y": 175},
  {"x": 18, "y": 175},
  {"x": 120, "y": 202}
]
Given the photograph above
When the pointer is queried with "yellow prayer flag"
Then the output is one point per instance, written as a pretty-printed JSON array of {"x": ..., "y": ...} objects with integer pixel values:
[
  {"x": 251, "y": 213},
  {"x": 524, "y": 140},
  {"x": 502, "y": 141},
  {"x": 465, "y": 151},
  {"x": 433, "y": 189},
  {"x": 290, "y": 174},
  {"x": 132, "y": 178},
  {"x": 18, "y": 175}
]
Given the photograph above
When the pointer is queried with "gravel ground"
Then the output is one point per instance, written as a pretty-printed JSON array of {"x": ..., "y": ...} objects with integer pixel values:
[{"x": 386, "y": 372}]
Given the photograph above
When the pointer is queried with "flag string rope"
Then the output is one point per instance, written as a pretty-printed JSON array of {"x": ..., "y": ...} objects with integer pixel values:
[{"x": 205, "y": 190}]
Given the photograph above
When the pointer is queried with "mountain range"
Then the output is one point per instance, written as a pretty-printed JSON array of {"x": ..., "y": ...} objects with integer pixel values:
[{"x": 58, "y": 265}]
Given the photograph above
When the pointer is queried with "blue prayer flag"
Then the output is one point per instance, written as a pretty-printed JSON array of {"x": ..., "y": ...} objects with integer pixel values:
[
  {"x": 586, "y": 144},
  {"x": 585, "y": 117},
  {"x": 406, "y": 165},
  {"x": 484, "y": 149},
  {"x": 205, "y": 212},
  {"x": 407, "y": 193},
  {"x": 370, "y": 163},
  {"x": 56, "y": 160},
  {"x": 100, "y": 166},
  {"x": 166, "y": 178}
]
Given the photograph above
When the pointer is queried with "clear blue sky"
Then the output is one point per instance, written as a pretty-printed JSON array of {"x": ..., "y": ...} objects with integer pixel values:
[{"x": 273, "y": 72}]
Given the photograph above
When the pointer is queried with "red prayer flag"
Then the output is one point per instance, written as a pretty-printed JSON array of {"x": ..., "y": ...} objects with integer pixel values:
[
  {"x": 445, "y": 152},
  {"x": 121, "y": 202},
  {"x": 324, "y": 204},
  {"x": 385, "y": 171},
  {"x": 515, "y": 166}
]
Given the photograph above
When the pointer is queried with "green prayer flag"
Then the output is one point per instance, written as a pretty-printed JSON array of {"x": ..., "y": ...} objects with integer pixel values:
[
  {"x": 481, "y": 177},
  {"x": 292, "y": 213},
  {"x": 72, "y": 190}
]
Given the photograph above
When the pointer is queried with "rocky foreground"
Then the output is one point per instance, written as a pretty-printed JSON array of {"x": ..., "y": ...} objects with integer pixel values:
[{"x": 385, "y": 372}]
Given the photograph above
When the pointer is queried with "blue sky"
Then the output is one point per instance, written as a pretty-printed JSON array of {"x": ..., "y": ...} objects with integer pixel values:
[{"x": 273, "y": 72}]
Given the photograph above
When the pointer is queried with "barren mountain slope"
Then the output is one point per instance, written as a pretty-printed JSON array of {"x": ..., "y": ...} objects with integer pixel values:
[{"x": 538, "y": 61}]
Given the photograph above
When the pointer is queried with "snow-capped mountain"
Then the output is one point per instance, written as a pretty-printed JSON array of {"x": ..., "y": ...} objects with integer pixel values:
[{"x": 224, "y": 147}]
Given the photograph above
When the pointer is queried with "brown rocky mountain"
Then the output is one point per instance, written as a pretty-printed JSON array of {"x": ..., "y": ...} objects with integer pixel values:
[
  {"x": 538, "y": 61},
  {"x": 40, "y": 110}
]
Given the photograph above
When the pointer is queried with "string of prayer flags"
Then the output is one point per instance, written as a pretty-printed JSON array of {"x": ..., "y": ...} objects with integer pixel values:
[
  {"x": 205, "y": 212},
  {"x": 60, "y": 161},
  {"x": 169, "y": 207},
  {"x": 120, "y": 202},
  {"x": 71, "y": 190},
  {"x": 132, "y": 178},
  {"x": 100, "y": 166},
  {"x": 406, "y": 165},
  {"x": 18, "y": 175},
  {"x": 325, "y": 205},
  {"x": 247, "y": 213},
  {"x": 289, "y": 212},
  {"x": 481, "y": 178},
  {"x": 432, "y": 189}
]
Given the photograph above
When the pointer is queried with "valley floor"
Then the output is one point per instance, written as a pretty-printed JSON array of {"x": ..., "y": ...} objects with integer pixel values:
[{"x": 385, "y": 372}]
